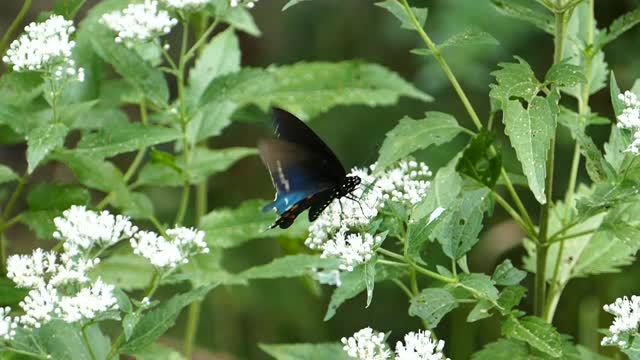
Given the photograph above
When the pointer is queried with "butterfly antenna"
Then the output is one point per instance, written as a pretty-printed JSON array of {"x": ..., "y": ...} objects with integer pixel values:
[{"x": 352, "y": 198}]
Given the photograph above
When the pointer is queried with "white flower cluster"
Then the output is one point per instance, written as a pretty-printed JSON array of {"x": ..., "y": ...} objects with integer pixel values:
[
  {"x": 248, "y": 3},
  {"x": 169, "y": 254},
  {"x": 46, "y": 46},
  {"x": 8, "y": 325},
  {"x": 626, "y": 321},
  {"x": 83, "y": 230},
  {"x": 185, "y": 4},
  {"x": 368, "y": 344},
  {"x": 338, "y": 230},
  {"x": 139, "y": 22},
  {"x": 630, "y": 119}
]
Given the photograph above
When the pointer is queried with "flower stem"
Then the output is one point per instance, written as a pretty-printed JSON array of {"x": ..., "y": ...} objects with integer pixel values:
[
  {"x": 503, "y": 203},
  {"x": 5, "y": 222},
  {"x": 4, "y": 42},
  {"x": 418, "y": 268},
  {"x": 85, "y": 336}
]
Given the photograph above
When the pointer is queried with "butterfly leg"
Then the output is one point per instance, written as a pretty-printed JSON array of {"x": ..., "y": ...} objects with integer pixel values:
[{"x": 350, "y": 197}]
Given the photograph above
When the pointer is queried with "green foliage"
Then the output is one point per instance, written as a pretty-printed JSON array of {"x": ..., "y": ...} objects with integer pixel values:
[
  {"x": 305, "y": 351},
  {"x": 506, "y": 274},
  {"x": 397, "y": 10},
  {"x": 432, "y": 305},
  {"x": 411, "y": 135},
  {"x": 535, "y": 332},
  {"x": 528, "y": 13},
  {"x": 42, "y": 141},
  {"x": 469, "y": 37},
  {"x": 7, "y": 174},
  {"x": 480, "y": 161}
]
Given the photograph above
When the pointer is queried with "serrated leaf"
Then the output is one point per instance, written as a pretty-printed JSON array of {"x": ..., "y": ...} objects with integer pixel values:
[
  {"x": 308, "y": 89},
  {"x": 40, "y": 222},
  {"x": 52, "y": 196},
  {"x": 42, "y": 141},
  {"x": 443, "y": 191},
  {"x": 565, "y": 75},
  {"x": 480, "y": 286},
  {"x": 290, "y": 3},
  {"x": 288, "y": 267},
  {"x": 305, "y": 351},
  {"x": 411, "y": 135},
  {"x": 479, "y": 162},
  {"x": 504, "y": 349},
  {"x": 208, "y": 162},
  {"x": 159, "y": 352},
  {"x": 469, "y": 37},
  {"x": 432, "y": 305},
  {"x": 530, "y": 131},
  {"x": 150, "y": 81},
  {"x": 515, "y": 80},
  {"x": 155, "y": 174},
  {"x": 207, "y": 268},
  {"x": 480, "y": 311},
  {"x": 535, "y": 332},
  {"x": 620, "y": 25},
  {"x": 7, "y": 174},
  {"x": 459, "y": 230},
  {"x": 370, "y": 279},
  {"x": 226, "y": 228},
  {"x": 511, "y": 296},
  {"x": 10, "y": 295},
  {"x": 397, "y": 10},
  {"x": 615, "y": 149},
  {"x": 506, "y": 274},
  {"x": 219, "y": 57},
  {"x": 237, "y": 16},
  {"x": 111, "y": 141},
  {"x": 419, "y": 232},
  {"x": 532, "y": 15},
  {"x": 158, "y": 320},
  {"x": 353, "y": 283}
]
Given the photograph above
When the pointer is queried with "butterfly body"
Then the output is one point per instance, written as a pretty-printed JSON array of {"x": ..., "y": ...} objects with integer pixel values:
[{"x": 304, "y": 171}]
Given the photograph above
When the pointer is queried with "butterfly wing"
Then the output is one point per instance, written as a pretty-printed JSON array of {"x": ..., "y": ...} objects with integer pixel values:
[
  {"x": 320, "y": 202},
  {"x": 291, "y": 129}
]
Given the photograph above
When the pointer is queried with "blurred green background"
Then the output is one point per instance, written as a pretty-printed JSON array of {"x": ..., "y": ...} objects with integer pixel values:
[{"x": 235, "y": 319}]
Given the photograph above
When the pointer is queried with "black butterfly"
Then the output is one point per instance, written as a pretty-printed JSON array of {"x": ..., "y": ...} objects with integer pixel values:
[{"x": 304, "y": 171}]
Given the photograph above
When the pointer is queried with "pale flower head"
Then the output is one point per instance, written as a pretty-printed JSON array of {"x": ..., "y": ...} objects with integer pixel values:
[
  {"x": 185, "y": 4},
  {"x": 139, "y": 22},
  {"x": 45, "y": 46},
  {"x": 8, "y": 324},
  {"x": 246, "y": 3},
  {"x": 169, "y": 254},
  {"x": 630, "y": 119},
  {"x": 351, "y": 250},
  {"x": 419, "y": 346},
  {"x": 366, "y": 344},
  {"x": 83, "y": 230},
  {"x": 626, "y": 321},
  {"x": 87, "y": 303}
]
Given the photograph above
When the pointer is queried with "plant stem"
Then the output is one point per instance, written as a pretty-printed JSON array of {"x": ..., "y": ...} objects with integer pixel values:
[
  {"x": 417, "y": 267},
  {"x": 86, "y": 341},
  {"x": 502, "y": 202},
  {"x": 465, "y": 101},
  {"x": 5, "y": 222},
  {"x": 403, "y": 287},
  {"x": 4, "y": 42}
]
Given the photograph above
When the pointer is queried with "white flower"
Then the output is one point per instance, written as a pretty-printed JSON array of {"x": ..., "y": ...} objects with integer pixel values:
[
  {"x": 185, "y": 4},
  {"x": 45, "y": 46},
  {"x": 169, "y": 254},
  {"x": 248, "y": 3},
  {"x": 39, "y": 306},
  {"x": 626, "y": 321},
  {"x": 139, "y": 22},
  {"x": 366, "y": 344},
  {"x": 83, "y": 230},
  {"x": 87, "y": 303},
  {"x": 351, "y": 250},
  {"x": 7, "y": 324},
  {"x": 630, "y": 119},
  {"x": 28, "y": 271},
  {"x": 419, "y": 346}
]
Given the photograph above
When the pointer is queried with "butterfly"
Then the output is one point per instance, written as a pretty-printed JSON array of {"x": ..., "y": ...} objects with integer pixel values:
[{"x": 305, "y": 172}]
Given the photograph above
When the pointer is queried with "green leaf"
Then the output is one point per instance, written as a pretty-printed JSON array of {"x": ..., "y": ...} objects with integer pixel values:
[
  {"x": 479, "y": 161},
  {"x": 157, "y": 174},
  {"x": 206, "y": 269},
  {"x": 308, "y": 89},
  {"x": 288, "y": 267},
  {"x": 506, "y": 274},
  {"x": 160, "y": 319},
  {"x": 7, "y": 174},
  {"x": 126, "y": 271},
  {"x": 459, "y": 230},
  {"x": 305, "y": 351},
  {"x": 535, "y": 332},
  {"x": 52, "y": 196},
  {"x": 539, "y": 18},
  {"x": 615, "y": 149},
  {"x": 396, "y": 8},
  {"x": 530, "y": 131},
  {"x": 226, "y": 228},
  {"x": 67, "y": 8},
  {"x": 147, "y": 79},
  {"x": 159, "y": 352},
  {"x": 480, "y": 311},
  {"x": 10, "y": 295},
  {"x": 469, "y": 37},
  {"x": 40, "y": 222},
  {"x": 618, "y": 105},
  {"x": 565, "y": 75},
  {"x": 444, "y": 190},
  {"x": 55, "y": 339},
  {"x": 20, "y": 88},
  {"x": 290, "y": 3},
  {"x": 411, "y": 135},
  {"x": 238, "y": 17},
  {"x": 207, "y": 162},
  {"x": 353, "y": 283},
  {"x": 480, "y": 286},
  {"x": 42, "y": 141},
  {"x": 114, "y": 140},
  {"x": 432, "y": 304},
  {"x": 633, "y": 350},
  {"x": 370, "y": 278},
  {"x": 510, "y": 297},
  {"x": 620, "y": 26},
  {"x": 504, "y": 349},
  {"x": 219, "y": 57},
  {"x": 419, "y": 232}
]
